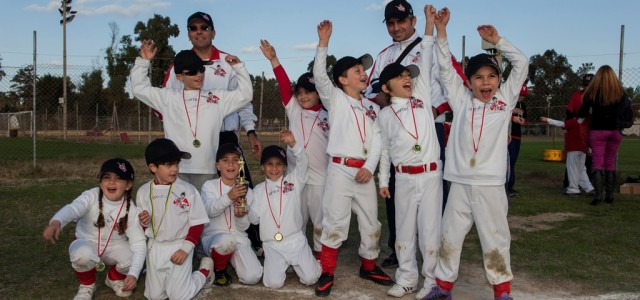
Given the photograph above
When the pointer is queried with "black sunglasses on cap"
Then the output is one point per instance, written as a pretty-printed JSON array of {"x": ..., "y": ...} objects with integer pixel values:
[
  {"x": 201, "y": 27},
  {"x": 201, "y": 69}
]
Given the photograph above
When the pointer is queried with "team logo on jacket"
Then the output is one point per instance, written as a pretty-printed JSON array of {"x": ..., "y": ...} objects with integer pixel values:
[
  {"x": 416, "y": 103},
  {"x": 497, "y": 104},
  {"x": 287, "y": 187},
  {"x": 211, "y": 98},
  {"x": 182, "y": 201},
  {"x": 416, "y": 58},
  {"x": 371, "y": 113},
  {"x": 324, "y": 125},
  {"x": 219, "y": 71}
]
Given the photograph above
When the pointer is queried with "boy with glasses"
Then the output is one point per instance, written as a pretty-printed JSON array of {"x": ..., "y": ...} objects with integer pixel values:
[{"x": 192, "y": 116}]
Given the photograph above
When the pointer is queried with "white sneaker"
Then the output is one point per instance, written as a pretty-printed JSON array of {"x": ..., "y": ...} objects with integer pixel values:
[
  {"x": 117, "y": 286},
  {"x": 85, "y": 292},
  {"x": 399, "y": 290},
  {"x": 207, "y": 264},
  {"x": 422, "y": 293}
]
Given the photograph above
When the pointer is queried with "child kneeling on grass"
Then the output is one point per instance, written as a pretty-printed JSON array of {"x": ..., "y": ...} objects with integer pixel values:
[
  {"x": 276, "y": 207},
  {"x": 106, "y": 233},
  {"x": 173, "y": 217}
]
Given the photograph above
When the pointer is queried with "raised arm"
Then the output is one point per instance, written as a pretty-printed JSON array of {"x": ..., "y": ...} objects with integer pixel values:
[
  {"x": 323, "y": 84},
  {"x": 284, "y": 83}
]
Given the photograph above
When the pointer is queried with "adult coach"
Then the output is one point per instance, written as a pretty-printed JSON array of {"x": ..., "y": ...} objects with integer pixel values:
[
  {"x": 219, "y": 75},
  {"x": 401, "y": 22}
]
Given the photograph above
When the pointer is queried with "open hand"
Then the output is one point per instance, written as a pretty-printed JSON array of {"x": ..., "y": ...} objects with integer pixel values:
[
  {"x": 489, "y": 33},
  {"x": 148, "y": 49}
]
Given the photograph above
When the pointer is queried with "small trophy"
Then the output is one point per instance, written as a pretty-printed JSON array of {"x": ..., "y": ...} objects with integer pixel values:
[{"x": 242, "y": 201}]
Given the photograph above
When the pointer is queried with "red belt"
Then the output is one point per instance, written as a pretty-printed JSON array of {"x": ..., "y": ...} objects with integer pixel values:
[
  {"x": 417, "y": 169},
  {"x": 349, "y": 162}
]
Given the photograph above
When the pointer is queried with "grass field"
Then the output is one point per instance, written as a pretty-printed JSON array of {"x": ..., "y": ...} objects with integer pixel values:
[{"x": 595, "y": 250}]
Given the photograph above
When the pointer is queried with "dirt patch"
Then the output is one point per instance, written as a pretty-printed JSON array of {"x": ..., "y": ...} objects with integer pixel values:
[{"x": 539, "y": 222}]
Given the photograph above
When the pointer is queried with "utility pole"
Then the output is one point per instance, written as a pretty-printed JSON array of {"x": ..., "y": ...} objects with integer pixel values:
[{"x": 67, "y": 17}]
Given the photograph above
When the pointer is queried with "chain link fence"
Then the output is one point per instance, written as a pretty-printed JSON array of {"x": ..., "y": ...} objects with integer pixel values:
[{"x": 96, "y": 114}]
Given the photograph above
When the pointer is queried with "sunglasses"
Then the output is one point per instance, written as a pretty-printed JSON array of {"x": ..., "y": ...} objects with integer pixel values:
[
  {"x": 201, "y": 27},
  {"x": 194, "y": 72}
]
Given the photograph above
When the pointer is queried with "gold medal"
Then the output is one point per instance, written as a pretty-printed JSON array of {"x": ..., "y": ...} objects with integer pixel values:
[
  {"x": 278, "y": 237},
  {"x": 100, "y": 266},
  {"x": 416, "y": 148},
  {"x": 196, "y": 143},
  {"x": 472, "y": 162}
]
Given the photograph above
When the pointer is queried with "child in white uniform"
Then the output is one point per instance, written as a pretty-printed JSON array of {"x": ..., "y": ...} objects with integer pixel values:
[
  {"x": 173, "y": 217},
  {"x": 410, "y": 142},
  {"x": 192, "y": 116},
  {"x": 477, "y": 158},
  {"x": 276, "y": 207},
  {"x": 354, "y": 156},
  {"x": 224, "y": 238},
  {"x": 107, "y": 232},
  {"x": 308, "y": 121}
]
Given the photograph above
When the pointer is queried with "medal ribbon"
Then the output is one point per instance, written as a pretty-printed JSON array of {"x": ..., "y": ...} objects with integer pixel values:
[
  {"x": 225, "y": 210},
  {"x": 415, "y": 126},
  {"x": 110, "y": 233},
  {"x": 364, "y": 125},
  {"x": 306, "y": 142},
  {"x": 153, "y": 228},
  {"x": 475, "y": 147},
  {"x": 269, "y": 202},
  {"x": 194, "y": 133}
]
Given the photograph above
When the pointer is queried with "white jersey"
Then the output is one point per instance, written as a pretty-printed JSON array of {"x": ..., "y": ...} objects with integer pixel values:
[
  {"x": 409, "y": 122},
  {"x": 173, "y": 209},
  {"x": 219, "y": 75},
  {"x": 276, "y": 203},
  {"x": 189, "y": 112},
  {"x": 85, "y": 211},
  {"x": 220, "y": 209},
  {"x": 390, "y": 54},
  {"x": 491, "y": 119},
  {"x": 309, "y": 126},
  {"x": 359, "y": 135}
]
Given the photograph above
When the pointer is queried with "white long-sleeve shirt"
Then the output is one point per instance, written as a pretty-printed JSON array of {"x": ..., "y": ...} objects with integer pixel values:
[
  {"x": 492, "y": 118},
  {"x": 186, "y": 112},
  {"x": 220, "y": 75},
  {"x": 412, "y": 118},
  {"x": 220, "y": 209},
  {"x": 355, "y": 119},
  {"x": 277, "y": 202},
  {"x": 85, "y": 211}
]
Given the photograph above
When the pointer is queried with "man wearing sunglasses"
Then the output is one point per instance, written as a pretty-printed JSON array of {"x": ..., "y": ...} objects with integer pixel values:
[{"x": 220, "y": 75}]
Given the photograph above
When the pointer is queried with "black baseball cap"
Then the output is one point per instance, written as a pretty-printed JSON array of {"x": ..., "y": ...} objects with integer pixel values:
[
  {"x": 394, "y": 70},
  {"x": 273, "y": 151},
  {"x": 306, "y": 82},
  {"x": 120, "y": 166},
  {"x": 187, "y": 60},
  {"x": 164, "y": 150},
  {"x": 347, "y": 62},
  {"x": 204, "y": 17},
  {"x": 586, "y": 79},
  {"x": 479, "y": 61},
  {"x": 399, "y": 9},
  {"x": 228, "y": 148}
]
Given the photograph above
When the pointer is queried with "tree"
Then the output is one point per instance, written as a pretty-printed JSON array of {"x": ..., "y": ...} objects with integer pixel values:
[
  {"x": 22, "y": 85},
  {"x": 552, "y": 79},
  {"x": 120, "y": 58},
  {"x": 159, "y": 29},
  {"x": 2, "y": 73},
  {"x": 331, "y": 61},
  {"x": 585, "y": 68},
  {"x": 91, "y": 92},
  {"x": 49, "y": 90}
]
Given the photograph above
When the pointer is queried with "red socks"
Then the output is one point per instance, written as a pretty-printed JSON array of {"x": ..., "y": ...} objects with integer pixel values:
[
  {"x": 115, "y": 275},
  {"x": 445, "y": 285},
  {"x": 367, "y": 264},
  {"x": 498, "y": 289},
  {"x": 87, "y": 278},
  {"x": 220, "y": 261},
  {"x": 328, "y": 259}
]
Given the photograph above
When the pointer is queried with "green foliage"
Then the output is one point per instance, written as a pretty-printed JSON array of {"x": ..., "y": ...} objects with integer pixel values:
[
  {"x": 22, "y": 85},
  {"x": 2, "y": 73},
  {"x": 158, "y": 29}
]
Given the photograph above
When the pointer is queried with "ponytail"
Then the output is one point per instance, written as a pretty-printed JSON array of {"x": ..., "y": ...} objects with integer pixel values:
[
  {"x": 100, "y": 222},
  {"x": 122, "y": 223}
]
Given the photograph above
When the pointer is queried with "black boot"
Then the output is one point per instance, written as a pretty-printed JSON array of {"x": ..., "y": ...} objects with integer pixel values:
[
  {"x": 609, "y": 185},
  {"x": 597, "y": 179}
]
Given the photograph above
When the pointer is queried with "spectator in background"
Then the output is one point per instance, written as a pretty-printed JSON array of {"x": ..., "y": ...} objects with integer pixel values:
[
  {"x": 14, "y": 126},
  {"x": 575, "y": 101},
  {"x": 518, "y": 118},
  {"x": 601, "y": 99},
  {"x": 220, "y": 75}
]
